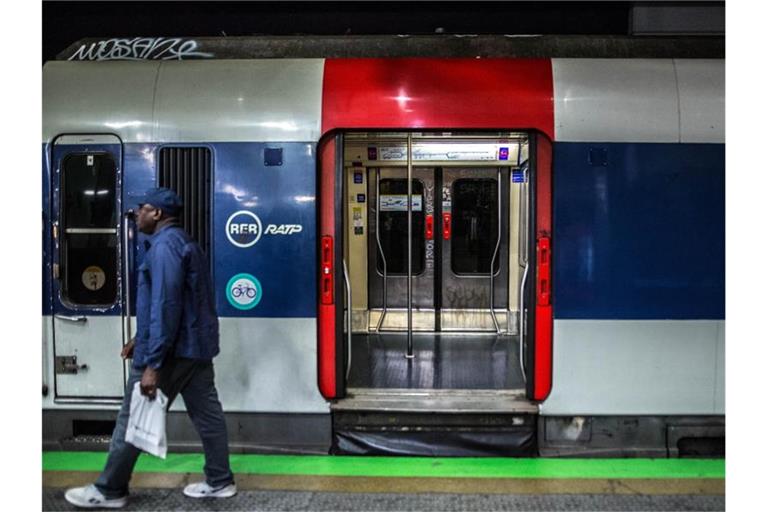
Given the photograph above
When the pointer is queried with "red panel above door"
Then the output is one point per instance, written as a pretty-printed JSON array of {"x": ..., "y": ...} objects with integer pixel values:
[{"x": 438, "y": 94}]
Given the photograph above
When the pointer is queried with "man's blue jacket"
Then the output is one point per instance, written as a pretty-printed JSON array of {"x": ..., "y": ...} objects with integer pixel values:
[{"x": 175, "y": 310}]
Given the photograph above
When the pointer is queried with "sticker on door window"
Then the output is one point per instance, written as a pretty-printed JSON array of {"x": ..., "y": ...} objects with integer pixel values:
[
  {"x": 244, "y": 291},
  {"x": 357, "y": 220},
  {"x": 93, "y": 278},
  {"x": 399, "y": 203}
]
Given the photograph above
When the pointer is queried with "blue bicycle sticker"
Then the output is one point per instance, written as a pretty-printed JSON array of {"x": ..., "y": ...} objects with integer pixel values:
[{"x": 243, "y": 291}]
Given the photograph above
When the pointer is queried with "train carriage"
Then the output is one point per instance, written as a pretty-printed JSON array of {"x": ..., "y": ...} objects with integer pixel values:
[{"x": 410, "y": 255}]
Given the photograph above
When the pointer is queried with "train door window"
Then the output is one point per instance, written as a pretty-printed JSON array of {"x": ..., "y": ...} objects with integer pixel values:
[
  {"x": 393, "y": 231},
  {"x": 187, "y": 171},
  {"x": 474, "y": 225},
  {"x": 89, "y": 220}
]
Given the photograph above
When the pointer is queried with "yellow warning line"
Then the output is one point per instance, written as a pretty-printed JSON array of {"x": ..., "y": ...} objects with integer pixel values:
[{"x": 641, "y": 486}]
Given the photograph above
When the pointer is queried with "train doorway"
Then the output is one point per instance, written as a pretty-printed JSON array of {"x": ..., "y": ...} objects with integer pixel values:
[
  {"x": 87, "y": 273},
  {"x": 459, "y": 325},
  {"x": 434, "y": 308}
]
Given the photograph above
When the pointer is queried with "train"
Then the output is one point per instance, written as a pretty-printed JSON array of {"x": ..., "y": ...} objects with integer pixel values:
[{"x": 511, "y": 256}]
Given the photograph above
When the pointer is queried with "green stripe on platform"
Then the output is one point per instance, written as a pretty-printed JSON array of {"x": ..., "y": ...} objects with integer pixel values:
[{"x": 326, "y": 465}]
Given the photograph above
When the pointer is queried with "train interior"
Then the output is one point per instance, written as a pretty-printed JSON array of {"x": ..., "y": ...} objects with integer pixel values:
[{"x": 468, "y": 251}]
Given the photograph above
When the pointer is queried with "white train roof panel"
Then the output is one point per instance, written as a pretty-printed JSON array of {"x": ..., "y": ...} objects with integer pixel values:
[
  {"x": 615, "y": 100},
  {"x": 192, "y": 101},
  {"x": 236, "y": 100},
  {"x": 99, "y": 97},
  {"x": 701, "y": 83}
]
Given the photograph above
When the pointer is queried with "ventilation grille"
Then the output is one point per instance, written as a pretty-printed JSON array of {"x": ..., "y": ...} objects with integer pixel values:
[{"x": 187, "y": 171}]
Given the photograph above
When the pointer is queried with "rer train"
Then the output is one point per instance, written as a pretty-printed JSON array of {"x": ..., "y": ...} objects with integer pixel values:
[{"x": 550, "y": 281}]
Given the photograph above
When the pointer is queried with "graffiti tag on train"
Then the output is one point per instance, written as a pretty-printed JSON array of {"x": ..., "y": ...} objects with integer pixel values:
[{"x": 140, "y": 48}]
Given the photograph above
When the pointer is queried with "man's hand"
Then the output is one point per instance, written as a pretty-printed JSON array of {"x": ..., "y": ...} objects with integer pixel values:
[
  {"x": 149, "y": 382},
  {"x": 128, "y": 349}
]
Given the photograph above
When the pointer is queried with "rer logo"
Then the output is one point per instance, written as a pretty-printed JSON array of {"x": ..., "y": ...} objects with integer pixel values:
[
  {"x": 243, "y": 228},
  {"x": 244, "y": 291}
]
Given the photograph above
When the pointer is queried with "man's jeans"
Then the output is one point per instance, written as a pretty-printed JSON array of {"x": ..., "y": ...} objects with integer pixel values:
[{"x": 194, "y": 380}]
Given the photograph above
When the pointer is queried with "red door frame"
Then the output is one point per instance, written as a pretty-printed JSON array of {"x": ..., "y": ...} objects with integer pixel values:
[
  {"x": 542, "y": 362},
  {"x": 431, "y": 94},
  {"x": 327, "y": 322}
]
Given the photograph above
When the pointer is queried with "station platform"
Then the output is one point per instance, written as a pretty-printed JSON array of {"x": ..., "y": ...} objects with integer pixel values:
[{"x": 319, "y": 482}]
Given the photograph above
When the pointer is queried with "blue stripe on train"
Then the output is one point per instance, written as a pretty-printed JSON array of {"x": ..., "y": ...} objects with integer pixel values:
[
  {"x": 283, "y": 261},
  {"x": 639, "y": 231},
  {"x": 641, "y": 237},
  {"x": 281, "y": 194},
  {"x": 284, "y": 264}
]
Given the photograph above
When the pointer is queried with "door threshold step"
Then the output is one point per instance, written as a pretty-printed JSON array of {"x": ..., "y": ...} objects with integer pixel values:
[{"x": 451, "y": 401}]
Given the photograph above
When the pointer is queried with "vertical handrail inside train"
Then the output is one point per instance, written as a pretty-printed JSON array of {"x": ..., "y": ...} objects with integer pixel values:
[
  {"x": 348, "y": 286},
  {"x": 127, "y": 219},
  {"x": 521, "y": 320},
  {"x": 522, "y": 233},
  {"x": 522, "y": 252},
  {"x": 45, "y": 337},
  {"x": 409, "y": 351},
  {"x": 381, "y": 251},
  {"x": 498, "y": 243}
]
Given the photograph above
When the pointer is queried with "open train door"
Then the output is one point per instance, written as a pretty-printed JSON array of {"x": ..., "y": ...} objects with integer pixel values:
[
  {"x": 534, "y": 287},
  {"x": 332, "y": 343},
  {"x": 87, "y": 291},
  {"x": 536, "y": 265}
]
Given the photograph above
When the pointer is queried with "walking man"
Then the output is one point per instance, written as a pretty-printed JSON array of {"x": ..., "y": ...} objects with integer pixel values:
[{"x": 177, "y": 337}]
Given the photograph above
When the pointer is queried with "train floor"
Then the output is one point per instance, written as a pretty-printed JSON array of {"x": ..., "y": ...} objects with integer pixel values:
[
  {"x": 441, "y": 361},
  {"x": 280, "y": 482}
]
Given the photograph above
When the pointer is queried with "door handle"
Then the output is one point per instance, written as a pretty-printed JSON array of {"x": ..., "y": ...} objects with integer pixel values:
[
  {"x": 74, "y": 319},
  {"x": 326, "y": 270},
  {"x": 55, "y": 249},
  {"x": 429, "y": 230},
  {"x": 68, "y": 365},
  {"x": 544, "y": 273},
  {"x": 446, "y": 226},
  {"x": 127, "y": 248}
]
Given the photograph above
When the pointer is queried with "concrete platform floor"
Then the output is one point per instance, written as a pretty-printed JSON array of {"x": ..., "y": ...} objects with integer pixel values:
[
  {"x": 162, "y": 491},
  {"x": 407, "y": 483}
]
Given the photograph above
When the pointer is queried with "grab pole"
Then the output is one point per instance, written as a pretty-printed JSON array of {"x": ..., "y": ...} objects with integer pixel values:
[{"x": 409, "y": 351}]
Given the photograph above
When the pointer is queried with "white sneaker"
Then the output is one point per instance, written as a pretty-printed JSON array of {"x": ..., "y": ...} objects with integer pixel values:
[
  {"x": 91, "y": 497},
  {"x": 203, "y": 490}
]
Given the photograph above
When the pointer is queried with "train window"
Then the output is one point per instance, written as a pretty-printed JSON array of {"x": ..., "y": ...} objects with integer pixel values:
[
  {"x": 474, "y": 225},
  {"x": 90, "y": 269},
  {"x": 89, "y": 237},
  {"x": 89, "y": 191},
  {"x": 393, "y": 231},
  {"x": 187, "y": 170}
]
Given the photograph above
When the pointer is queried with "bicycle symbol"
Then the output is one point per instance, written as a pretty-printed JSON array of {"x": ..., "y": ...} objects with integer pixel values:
[{"x": 242, "y": 289}]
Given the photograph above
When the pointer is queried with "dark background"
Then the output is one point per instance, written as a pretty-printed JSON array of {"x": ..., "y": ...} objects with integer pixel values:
[{"x": 66, "y": 22}]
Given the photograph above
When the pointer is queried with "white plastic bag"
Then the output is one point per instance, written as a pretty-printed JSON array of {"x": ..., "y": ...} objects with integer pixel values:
[{"x": 146, "y": 424}]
